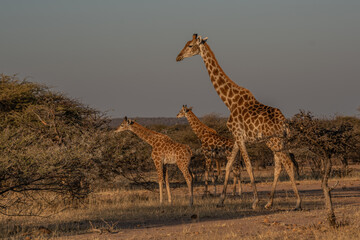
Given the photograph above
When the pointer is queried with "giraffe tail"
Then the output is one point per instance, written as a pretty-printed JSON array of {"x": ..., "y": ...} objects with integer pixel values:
[{"x": 296, "y": 165}]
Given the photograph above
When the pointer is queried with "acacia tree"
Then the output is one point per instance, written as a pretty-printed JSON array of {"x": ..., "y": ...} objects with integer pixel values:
[
  {"x": 49, "y": 148},
  {"x": 324, "y": 140}
]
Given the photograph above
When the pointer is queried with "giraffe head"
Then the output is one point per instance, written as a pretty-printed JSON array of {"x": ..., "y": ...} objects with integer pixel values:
[
  {"x": 191, "y": 48},
  {"x": 125, "y": 125},
  {"x": 183, "y": 111}
]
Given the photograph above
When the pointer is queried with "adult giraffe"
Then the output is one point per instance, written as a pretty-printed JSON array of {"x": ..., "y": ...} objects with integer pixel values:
[{"x": 249, "y": 121}]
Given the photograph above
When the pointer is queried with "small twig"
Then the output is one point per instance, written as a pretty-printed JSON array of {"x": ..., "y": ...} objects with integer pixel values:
[
  {"x": 42, "y": 121},
  {"x": 333, "y": 187}
]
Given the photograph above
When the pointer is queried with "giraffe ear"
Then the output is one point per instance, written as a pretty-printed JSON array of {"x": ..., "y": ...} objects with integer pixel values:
[
  {"x": 190, "y": 108},
  {"x": 130, "y": 122},
  {"x": 201, "y": 40}
]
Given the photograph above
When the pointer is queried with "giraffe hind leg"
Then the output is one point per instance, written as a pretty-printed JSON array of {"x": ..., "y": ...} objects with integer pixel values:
[
  {"x": 282, "y": 157},
  {"x": 189, "y": 181},
  {"x": 289, "y": 167},
  {"x": 277, "y": 171}
]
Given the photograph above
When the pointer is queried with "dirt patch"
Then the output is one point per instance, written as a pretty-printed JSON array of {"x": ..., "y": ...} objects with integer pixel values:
[{"x": 280, "y": 222}]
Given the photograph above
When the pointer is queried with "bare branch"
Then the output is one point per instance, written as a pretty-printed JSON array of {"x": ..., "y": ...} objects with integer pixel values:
[{"x": 333, "y": 187}]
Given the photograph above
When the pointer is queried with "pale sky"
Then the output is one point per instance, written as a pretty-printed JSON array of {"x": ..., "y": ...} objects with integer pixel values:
[{"x": 119, "y": 56}]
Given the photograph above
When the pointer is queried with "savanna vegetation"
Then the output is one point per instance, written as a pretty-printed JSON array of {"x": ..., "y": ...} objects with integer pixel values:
[{"x": 59, "y": 157}]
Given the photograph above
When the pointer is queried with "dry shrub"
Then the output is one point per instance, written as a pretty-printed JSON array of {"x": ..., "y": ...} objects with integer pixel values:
[
  {"x": 49, "y": 144},
  {"x": 324, "y": 140}
]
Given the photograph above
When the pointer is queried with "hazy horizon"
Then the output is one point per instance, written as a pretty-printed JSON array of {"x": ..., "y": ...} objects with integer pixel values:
[{"x": 119, "y": 56}]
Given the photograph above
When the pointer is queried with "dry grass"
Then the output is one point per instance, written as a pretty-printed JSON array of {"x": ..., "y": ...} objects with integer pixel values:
[{"x": 109, "y": 213}]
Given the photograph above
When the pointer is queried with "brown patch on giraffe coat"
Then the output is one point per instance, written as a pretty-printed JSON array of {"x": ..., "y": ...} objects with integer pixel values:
[
  {"x": 223, "y": 92},
  {"x": 241, "y": 101},
  {"x": 231, "y": 93},
  {"x": 236, "y": 98},
  {"x": 216, "y": 72},
  {"x": 221, "y": 81}
]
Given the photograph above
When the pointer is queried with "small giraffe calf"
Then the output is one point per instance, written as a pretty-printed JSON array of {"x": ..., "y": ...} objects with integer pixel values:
[
  {"x": 213, "y": 146},
  {"x": 164, "y": 151}
]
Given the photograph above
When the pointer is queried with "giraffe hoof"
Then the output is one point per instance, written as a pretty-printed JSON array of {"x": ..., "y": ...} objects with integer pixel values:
[
  {"x": 268, "y": 206},
  {"x": 297, "y": 209}
]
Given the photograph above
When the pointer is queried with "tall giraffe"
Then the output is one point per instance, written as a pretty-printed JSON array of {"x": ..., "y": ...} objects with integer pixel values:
[
  {"x": 213, "y": 146},
  {"x": 164, "y": 151},
  {"x": 249, "y": 120}
]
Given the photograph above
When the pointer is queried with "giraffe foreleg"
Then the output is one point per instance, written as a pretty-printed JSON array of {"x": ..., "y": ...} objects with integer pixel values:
[
  {"x": 207, "y": 169},
  {"x": 160, "y": 173},
  {"x": 277, "y": 171},
  {"x": 214, "y": 180},
  {"x": 218, "y": 168},
  {"x": 229, "y": 164},
  {"x": 250, "y": 171},
  {"x": 167, "y": 183},
  {"x": 237, "y": 181}
]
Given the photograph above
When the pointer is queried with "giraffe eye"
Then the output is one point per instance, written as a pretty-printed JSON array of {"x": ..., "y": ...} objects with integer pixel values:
[{"x": 190, "y": 46}]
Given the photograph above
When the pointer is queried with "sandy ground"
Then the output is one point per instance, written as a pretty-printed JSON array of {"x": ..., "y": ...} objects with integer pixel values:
[{"x": 248, "y": 223}]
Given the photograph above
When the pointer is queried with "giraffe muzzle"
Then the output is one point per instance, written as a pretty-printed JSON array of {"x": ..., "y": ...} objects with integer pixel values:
[{"x": 179, "y": 58}]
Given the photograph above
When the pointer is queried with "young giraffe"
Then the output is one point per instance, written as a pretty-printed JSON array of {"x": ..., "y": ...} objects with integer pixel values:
[
  {"x": 164, "y": 151},
  {"x": 213, "y": 146},
  {"x": 249, "y": 120}
]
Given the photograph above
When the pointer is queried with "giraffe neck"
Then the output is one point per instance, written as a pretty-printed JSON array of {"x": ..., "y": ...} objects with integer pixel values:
[
  {"x": 229, "y": 92},
  {"x": 145, "y": 134},
  {"x": 197, "y": 126}
]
